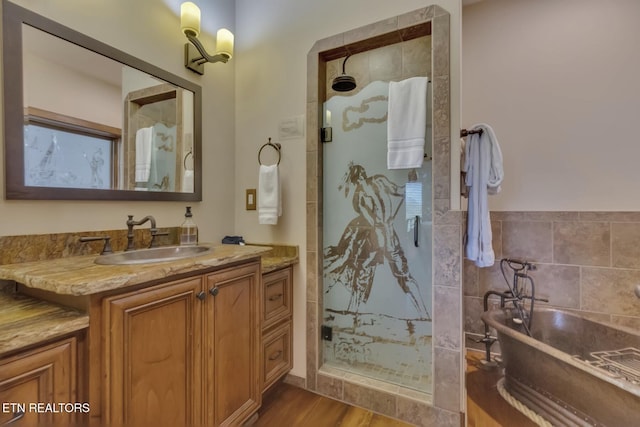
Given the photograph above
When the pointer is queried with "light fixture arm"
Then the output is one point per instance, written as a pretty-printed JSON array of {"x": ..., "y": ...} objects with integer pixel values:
[{"x": 205, "y": 56}]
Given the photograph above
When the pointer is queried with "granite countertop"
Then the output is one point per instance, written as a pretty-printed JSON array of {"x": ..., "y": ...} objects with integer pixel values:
[
  {"x": 25, "y": 320},
  {"x": 81, "y": 276},
  {"x": 279, "y": 256}
]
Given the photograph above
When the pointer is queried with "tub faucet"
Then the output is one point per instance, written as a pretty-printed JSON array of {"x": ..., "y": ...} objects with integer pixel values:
[{"x": 131, "y": 223}]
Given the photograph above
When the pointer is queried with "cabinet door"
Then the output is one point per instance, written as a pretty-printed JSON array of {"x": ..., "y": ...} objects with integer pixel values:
[
  {"x": 46, "y": 375},
  {"x": 234, "y": 334},
  {"x": 153, "y": 341}
]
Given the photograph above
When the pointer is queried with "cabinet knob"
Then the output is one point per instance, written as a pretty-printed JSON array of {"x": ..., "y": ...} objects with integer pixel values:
[
  {"x": 201, "y": 295},
  {"x": 214, "y": 291}
]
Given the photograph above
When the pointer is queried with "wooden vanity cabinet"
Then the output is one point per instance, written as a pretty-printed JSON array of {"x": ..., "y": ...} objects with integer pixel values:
[
  {"x": 46, "y": 374},
  {"x": 277, "y": 313},
  {"x": 184, "y": 352}
]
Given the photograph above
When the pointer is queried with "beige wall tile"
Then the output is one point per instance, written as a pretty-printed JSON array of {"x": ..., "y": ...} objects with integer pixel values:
[
  {"x": 447, "y": 260},
  {"x": 447, "y": 379},
  {"x": 608, "y": 290},
  {"x": 527, "y": 240},
  {"x": 385, "y": 63},
  {"x": 379, "y": 401},
  {"x": 560, "y": 284},
  {"x": 582, "y": 243},
  {"x": 330, "y": 386},
  {"x": 624, "y": 244},
  {"x": 446, "y": 315}
]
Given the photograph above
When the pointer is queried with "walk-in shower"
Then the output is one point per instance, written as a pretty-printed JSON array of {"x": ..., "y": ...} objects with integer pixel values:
[{"x": 377, "y": 229}]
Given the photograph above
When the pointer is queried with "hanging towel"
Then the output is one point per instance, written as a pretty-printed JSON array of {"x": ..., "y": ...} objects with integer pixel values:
[
  {"x": 144, "y": 136},
  {"x": 187, "y": 181},
  {"x": 269, "y": 202},
  {"x": 406, "y": 123},
  {"x": 483, "y": 165}
]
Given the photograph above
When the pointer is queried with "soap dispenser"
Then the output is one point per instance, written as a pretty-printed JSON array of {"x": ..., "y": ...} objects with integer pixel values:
[{"x": 188, "y": 230}]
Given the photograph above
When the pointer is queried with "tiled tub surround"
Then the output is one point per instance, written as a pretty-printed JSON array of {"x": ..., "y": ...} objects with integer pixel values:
[
  {"x": 586, "y": 261},
  {"x": 444, "y": 406}
]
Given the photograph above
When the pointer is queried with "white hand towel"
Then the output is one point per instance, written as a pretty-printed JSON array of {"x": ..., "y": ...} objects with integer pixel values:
[
  {"x": 406, "y": 123},
  {"x": 144, "y": 137},
  {"x": 187, "y": 181},
  {"x": 483, "y": 164},
  {"x": 269, "y": 202}
]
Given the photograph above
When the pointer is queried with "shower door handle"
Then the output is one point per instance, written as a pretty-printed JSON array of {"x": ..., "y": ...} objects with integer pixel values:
[{"x": 416, "y": 232}]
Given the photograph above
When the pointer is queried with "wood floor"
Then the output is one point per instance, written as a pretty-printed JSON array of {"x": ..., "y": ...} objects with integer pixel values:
[
  {"x": 485, "y": 406},
  {"x": 289, "y": 406}
]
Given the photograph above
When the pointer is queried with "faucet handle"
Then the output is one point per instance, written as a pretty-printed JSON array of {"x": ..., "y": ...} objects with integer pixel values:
[
  {"x": 154, "y": 233},
  {"x": 106, "y": 249}
]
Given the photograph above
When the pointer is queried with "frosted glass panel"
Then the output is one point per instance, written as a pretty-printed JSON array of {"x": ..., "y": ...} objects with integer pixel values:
[
  {"x": 377, "y": 235},
  {"x": 56, "y": 158}
]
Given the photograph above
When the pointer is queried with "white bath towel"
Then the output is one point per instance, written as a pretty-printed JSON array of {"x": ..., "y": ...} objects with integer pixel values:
[
  {"x": 406, "y": 123},
  {"x": 144, "y": 137},
  {"x": 483, "y": 165},
  {"x": 269, "y": 202}
]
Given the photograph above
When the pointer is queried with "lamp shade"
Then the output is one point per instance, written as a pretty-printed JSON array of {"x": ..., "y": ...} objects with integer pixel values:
[
  {"x": 190, "y": 18},
  {"x": 224, "y": 42}
]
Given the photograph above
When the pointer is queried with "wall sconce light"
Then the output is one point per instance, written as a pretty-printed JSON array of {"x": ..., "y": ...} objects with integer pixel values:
[{"x": 195, "y": 55}]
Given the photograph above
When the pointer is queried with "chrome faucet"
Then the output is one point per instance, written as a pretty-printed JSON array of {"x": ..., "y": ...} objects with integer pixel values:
[{"x": 131, "y": 223}]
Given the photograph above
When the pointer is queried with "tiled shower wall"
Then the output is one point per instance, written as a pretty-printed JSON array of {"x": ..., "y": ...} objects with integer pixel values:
[{"x": 586, "y": 261}]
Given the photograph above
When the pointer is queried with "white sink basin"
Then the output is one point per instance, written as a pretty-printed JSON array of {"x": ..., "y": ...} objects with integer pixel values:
[{"x": 148, "y": 256}]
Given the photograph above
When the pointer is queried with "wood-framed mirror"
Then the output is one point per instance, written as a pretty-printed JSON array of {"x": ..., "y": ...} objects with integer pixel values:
[{"x": 85, "y": 121}]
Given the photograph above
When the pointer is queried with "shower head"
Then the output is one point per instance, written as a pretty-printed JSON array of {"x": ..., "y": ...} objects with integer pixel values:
[{"x": 344, "y": 83}]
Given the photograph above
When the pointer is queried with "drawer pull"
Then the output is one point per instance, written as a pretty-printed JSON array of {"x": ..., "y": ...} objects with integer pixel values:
[
  {"x": 275, "y": 297},
  {"x": 16, "y": 417},
  {"x": 276, "y": 355}
]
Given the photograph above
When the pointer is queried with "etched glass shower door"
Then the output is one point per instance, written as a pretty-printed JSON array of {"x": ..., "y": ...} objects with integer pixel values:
[{"x": 377, "y": 248}]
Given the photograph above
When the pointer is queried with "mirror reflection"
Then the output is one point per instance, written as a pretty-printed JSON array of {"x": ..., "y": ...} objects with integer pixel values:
[{"x": 95, "y": 124}]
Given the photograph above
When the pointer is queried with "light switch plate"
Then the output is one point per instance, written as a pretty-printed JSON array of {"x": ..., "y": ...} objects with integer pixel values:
[{"x": 250, "y": 199}]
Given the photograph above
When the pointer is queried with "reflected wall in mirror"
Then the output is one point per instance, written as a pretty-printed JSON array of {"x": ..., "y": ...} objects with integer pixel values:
[{"x": 86, "y": 121}]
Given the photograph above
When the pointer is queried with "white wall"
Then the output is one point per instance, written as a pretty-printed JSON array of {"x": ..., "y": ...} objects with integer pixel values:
[
  {"x": 558, "y": 82},
  {"x": 150, "y": 30},
  {"x": 272, "y": 41}
]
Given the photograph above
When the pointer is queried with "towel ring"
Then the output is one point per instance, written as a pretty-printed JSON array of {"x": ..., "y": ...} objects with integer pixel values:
[
  {"x": 186, "y": 156},
  {"x": 275, "y": 145}
]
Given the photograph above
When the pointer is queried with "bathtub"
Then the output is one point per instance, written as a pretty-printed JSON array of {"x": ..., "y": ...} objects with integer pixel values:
[{"x": 573, "y": 371}]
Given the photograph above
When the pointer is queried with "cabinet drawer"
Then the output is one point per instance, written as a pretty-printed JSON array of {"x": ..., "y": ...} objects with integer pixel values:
[
  {"x": 276, "y": 297},
  {"x": 276, "y": 353}
]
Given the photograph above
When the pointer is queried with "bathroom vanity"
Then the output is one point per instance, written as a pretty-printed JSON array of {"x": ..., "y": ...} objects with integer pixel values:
[{"x": 186, "y": 342}]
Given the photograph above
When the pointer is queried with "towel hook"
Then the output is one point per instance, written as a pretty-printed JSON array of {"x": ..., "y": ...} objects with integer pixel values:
[{"x": 275, "y": 145}]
